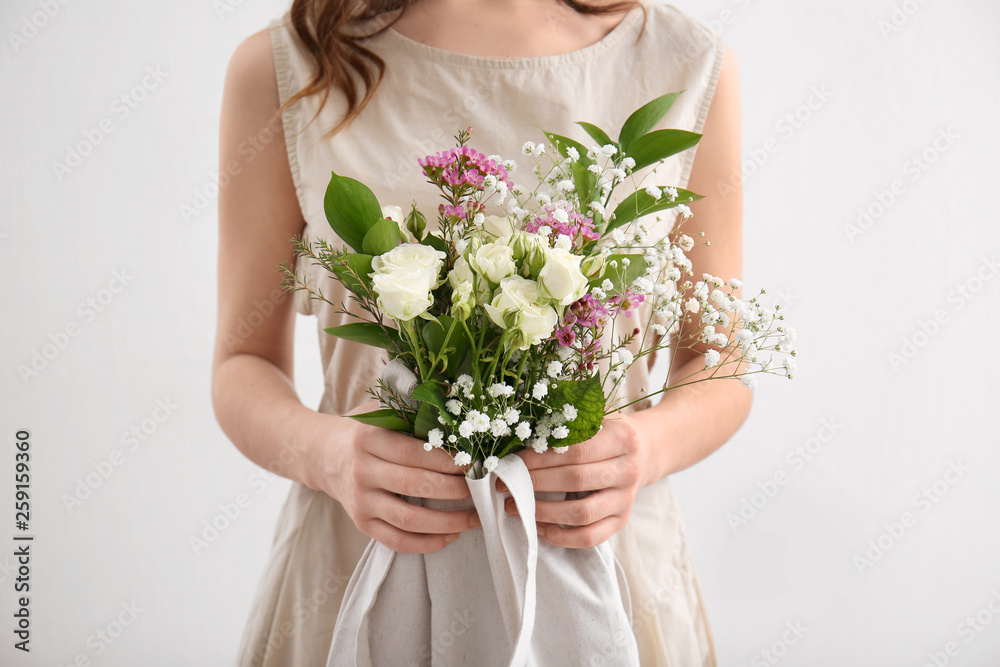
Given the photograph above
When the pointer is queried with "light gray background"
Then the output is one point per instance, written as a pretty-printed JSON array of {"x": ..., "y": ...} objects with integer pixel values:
[{"x": 854, "y": 297}]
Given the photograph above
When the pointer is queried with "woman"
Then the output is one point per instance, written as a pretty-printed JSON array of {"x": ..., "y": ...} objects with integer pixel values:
[{"x": 505, "y": 67}]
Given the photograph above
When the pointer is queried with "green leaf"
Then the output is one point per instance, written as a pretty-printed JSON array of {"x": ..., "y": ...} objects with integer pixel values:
[
  {"x": 433, "y": 393},
  {"x": 563, "y": 144},
  {"x": 655, "y": 146},
  {"x": 382, "y": 237},
  {"x": 360, "y": 265},
  {"x": 640, "y": 203},
  {"x": 368, "y": 333},
  {"x": 622, "y": 276},
  {"x": 588, "y": 399},
  {"x": 434, "y": 333},
  {"x": 582, "y": 178},
  {"x": 384, "y": 418},
  {"x": 427, "y": 420},
  {"x": 512, "y": 446},
  {"x": 645, "y": 119},
  {"x": 435, "y": 242},
  {"x": 351, "y": 209},
  {"x": 596, "y": 133}
]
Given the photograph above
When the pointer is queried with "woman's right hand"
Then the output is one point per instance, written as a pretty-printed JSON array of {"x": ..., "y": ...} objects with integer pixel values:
[{"x": 367, "y": 469}]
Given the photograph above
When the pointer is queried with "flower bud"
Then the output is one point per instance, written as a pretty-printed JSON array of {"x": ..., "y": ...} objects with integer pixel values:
[
  {"x": 416, "y": 223},
  {"x": 593, "y": 266}
]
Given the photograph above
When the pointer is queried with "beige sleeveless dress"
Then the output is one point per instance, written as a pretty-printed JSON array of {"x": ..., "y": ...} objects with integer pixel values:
[{"x": 428, "y": 95}]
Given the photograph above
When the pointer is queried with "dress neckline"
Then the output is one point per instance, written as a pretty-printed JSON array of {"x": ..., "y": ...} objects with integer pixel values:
[{"x": 626, "y": 27}]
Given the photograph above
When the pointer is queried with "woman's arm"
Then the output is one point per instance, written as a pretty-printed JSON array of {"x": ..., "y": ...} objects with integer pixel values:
[
  {"x": 699, "y": 418},
  {"x": 253, "y": 392},
  {"x": 690, "y": 422}
]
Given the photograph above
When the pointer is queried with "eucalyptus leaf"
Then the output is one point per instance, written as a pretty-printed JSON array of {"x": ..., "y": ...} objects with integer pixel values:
[
  {"x": 351, "y": 209},
  {"x": 645, "y": 118}
]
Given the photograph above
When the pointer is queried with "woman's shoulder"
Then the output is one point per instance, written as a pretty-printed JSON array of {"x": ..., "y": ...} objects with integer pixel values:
[
  {"x": 679, "y": 33},
  {"x": 250, "y": 75}
]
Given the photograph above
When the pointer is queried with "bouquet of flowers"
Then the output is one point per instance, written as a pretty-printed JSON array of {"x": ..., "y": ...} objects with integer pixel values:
[
  {"x": 499, "y": 323},
  {"x": 500, "y": 312}
]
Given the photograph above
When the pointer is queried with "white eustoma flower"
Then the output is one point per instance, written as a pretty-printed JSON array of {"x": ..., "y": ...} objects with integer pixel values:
[
  {"x": 495, "y": 261},
  {"x": 404, "y": 277},
  {"x": 561, "y": 278},
  {"x": 711, "y": 358},
  {"x": 463, "y": 459}
]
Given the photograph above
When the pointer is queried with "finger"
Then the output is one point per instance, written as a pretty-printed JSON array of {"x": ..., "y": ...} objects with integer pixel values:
[
  {"x": 416, "y": 482},
  {"x": 406, "y": 451},
  {"x": 581, "y": 512},
  {"x": 596, "y": 449},
  {"x": 404, "y": 542},
  {"x": 415, "y": 519},
  {"x": 582, "y": 537},
  {"x": 581, "y": 477}
]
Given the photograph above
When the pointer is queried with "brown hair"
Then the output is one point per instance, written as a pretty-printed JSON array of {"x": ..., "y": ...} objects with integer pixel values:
[{"x": 328, "y": 30}]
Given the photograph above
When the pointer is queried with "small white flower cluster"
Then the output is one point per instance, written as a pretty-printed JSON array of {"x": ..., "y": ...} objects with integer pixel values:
[{"x": 551, "y": 426}]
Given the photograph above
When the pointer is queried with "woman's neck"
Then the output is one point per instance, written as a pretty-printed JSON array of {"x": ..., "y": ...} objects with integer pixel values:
[{"x": 503, "y": 28}]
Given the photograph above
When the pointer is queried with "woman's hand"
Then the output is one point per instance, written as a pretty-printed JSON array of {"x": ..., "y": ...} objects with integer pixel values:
[
  {"x": 367, "y": 468},
  {"x": 610, "y": 465}
]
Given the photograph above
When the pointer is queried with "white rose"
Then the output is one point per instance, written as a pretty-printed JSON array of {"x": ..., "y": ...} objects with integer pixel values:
[
  {"x": 461, "y": 272},
  {"x": 561, "y": 278},
  {"x": 495, "y": 261},
  {"x": 534, "y": 322},
  {"x": 395, "y": 213},
  {"x": 404, "y": 277},
  {"x": 498, "y": 226}
]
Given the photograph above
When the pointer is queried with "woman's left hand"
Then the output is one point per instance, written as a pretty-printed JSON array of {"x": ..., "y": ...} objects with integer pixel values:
[{"x": 611, "y": 465}]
